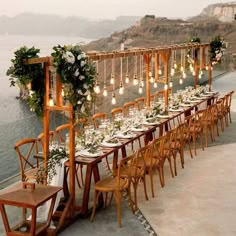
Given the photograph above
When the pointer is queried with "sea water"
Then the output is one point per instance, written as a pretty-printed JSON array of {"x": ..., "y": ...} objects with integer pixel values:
[{"x": 16, "y": 120}]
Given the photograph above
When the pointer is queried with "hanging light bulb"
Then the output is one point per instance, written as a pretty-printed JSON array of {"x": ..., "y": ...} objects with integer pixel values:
[
  {"x": 160, "y": 71},
  {"x": 181, "y": 68},
  {"x": 184, "y": 75},
  {"x": 105, "y": 91},
  {"x": 191, "y": 67},
  {"x": 175, "y": 65},
  {"x": 150, "y": 74},
  {"x": 155, "y": 85},
  {"x": 97, "y": 88},
  {"x": 199, "y": 76},
  {"x": 201, "y": 72},
  {"x": 112, "y": 80},
  {"x": 142, "y": 82},
  {"x": 89, "y": 97},
  {"x": 152, "y": 80},
  {"x": 171, "y": 83},
  {"x": 50, "y": 101},
  {"x": 165, "y": 86},
  {"x": 206, "y": 67},
  {"x": 113, "y": 100},
  {"x": 172, "y": 72},
  {"x": 140, "y": 90},
  {"x": 127, "y": 78},
  {"x": 62, "y": 93},
  {"x": 180, "y": 80},
  {"x": 121, "y": 89},
  {"x": 193, "y": 73},
  {"x": 135, "y": 80}
]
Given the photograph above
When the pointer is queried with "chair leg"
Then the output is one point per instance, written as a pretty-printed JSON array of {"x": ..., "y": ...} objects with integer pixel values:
[
  {"x": 151, "y": 180},
  {"x": 118, "y": 206},
  {"x": 96, "y": 195},
  {"x": 145, "y": 186}
]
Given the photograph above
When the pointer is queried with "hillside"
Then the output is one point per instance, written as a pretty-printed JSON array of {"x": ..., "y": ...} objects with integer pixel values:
[{"x": 152, "y": 31}]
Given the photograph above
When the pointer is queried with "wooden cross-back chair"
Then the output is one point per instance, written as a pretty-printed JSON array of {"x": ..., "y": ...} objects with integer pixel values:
[
  {"x": 140, "y": 102},
  {"x": 127, "y": 106},
  {"x": 97, "y": 118},
  {"x": 116, "y": 111},
  {"x": 40, "y": 137},
  {"x": 26, "y": 149},
  {"x": 59, "y": 131},
  {"x": 115, "y": 185}
]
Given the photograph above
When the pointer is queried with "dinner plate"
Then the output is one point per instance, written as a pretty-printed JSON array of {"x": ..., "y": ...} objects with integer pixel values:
[
  {"x": 211, "y": 92},
  {"x": 86, "y": 153},
  {"x": 138, "y": 129},
  {"x": 198, "y": 98},
  {"x": 128, "y": 136},
  {"x": 186, "y": 105},
  {"x": 107, "y": 144},
  {"x": 163, "y": 116},
  {"x": 193, "y": 101},
  {"x": 176, "y": 110},
  {"x": 151, "y": 123}
]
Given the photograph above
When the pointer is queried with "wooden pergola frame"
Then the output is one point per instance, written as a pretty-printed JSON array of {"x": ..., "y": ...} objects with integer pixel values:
[{"x": 163, "y": 52}]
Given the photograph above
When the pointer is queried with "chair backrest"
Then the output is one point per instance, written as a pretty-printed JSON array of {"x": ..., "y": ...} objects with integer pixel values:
[
  {"x": 158, "y": 149},
  {"x": 144, "y": 154},
  {"x": 25, "y": 149},
  {"x": 40, "y": 137},
  {"x": 97, "y": 118},
  {"x": 140, "y": 102},
  {"x": 127, "y": 106},
  {"x": 59, "y": 131},
  {"x": 125, "y": 163},
  {"x": 116, "y": 111}
]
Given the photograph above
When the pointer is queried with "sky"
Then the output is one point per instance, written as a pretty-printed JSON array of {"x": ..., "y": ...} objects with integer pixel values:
[{"x": 108, "y": 9}]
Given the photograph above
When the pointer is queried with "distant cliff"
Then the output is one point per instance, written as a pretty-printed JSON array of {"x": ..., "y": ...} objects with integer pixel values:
[
  {"x": 224, "y": 12},
  {"x": 37, "y": 24}
]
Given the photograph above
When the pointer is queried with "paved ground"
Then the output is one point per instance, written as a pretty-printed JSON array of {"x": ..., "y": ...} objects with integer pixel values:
[{"x": 199, "y": 201}]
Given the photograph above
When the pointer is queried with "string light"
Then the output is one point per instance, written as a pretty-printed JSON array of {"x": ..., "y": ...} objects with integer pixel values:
[
  {"x": 50, "y": 102},
  {"x": 180, "y": 80},
  {"x": 165, "y": 86},
  {"x": 89, "y": 97},
  {"x": 113, "y": 100},
  {"x": 127, "y": 71},
  {"x": 97, "y": 88},
  {"x": 171, "y": 83},
  {"x": 105, "y": 93},
  {"x": 151, "y": 72},
  {"x": 112, "y": 80},
  {"x": 135, "y": 79},
  {"x": 155, "y": 84},
  {"x": 140, "y": 90},
  {"x": 175, "y": 64},
  {"x": 121, "y": 89}
]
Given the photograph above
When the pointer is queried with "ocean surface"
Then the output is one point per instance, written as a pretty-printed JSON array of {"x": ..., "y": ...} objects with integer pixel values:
[{"x": 16, "y": 121}]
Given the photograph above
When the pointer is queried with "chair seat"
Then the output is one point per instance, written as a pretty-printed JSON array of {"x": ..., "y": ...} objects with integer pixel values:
[
  {"x": 110, "y": 184},
  {"x": 125, "y": 172}
]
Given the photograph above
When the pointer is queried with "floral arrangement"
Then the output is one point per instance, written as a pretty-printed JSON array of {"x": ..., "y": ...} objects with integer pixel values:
[
  {"x": 78, "y": 75},
  {"x": 217, "y": 47},
  {"x": 29, "y": 78}
]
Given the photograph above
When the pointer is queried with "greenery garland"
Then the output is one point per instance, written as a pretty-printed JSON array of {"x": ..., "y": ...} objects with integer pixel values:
[
  {"x": 217, "y": 47},
  {"x": 32, "y": 75},
  {"x": 76, "y": 72}
]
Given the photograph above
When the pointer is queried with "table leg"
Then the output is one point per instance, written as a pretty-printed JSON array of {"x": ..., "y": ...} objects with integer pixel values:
[{"x": 87, "y": 185}]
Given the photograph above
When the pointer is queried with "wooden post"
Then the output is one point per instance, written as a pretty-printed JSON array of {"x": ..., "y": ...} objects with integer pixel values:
[
  {"x": 72, "y": 156},
  {"x": 59, "y": 99},
  {"x": 165, "y": 58},
  {"x": 147, "y": 59},
  {"x": 46, "y": 117},
  {"x": 196, "y": 68},
  {"x": 210, "y": 76}
]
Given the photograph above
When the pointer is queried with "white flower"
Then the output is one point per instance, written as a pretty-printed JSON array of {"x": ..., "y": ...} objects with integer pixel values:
[
  {"x": 83, "y": 108},
  {"x": 85, "y": 86},
  {"x": 69, "y": 57},
  {"x": 76, "y": 73},
  {"x": 83, "y": 55},
  {"x": 79, "y": 102},
  {"x": 79, "y": 57},
  {"x": 82, "y": 63},
  {"x": 80, "y": 92},
  {"x": 81, "y": 77}
]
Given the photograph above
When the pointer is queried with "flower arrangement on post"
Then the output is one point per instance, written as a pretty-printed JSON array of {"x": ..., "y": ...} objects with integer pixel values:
[
  {"x": 29, "y": 78},
  {"x": 78, "y": 76},
  {"x": 217, "y": 47}
]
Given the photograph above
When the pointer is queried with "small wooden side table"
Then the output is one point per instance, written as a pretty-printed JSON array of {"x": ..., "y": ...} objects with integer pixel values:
[{"x": 30, "y": 196}]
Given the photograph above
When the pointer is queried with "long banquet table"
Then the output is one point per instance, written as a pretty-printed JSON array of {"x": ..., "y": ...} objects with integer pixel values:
[{"x": 92, "y": 163}]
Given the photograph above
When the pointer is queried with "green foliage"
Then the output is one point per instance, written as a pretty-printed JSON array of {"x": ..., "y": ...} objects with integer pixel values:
[
  {"x": 55, "y": 158},
  {"x": 24, "y": 74},
  {"x": 195, "y": 40},
  {"x": 78, "y": 75},
  {"x": 217, "y": 47}
]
